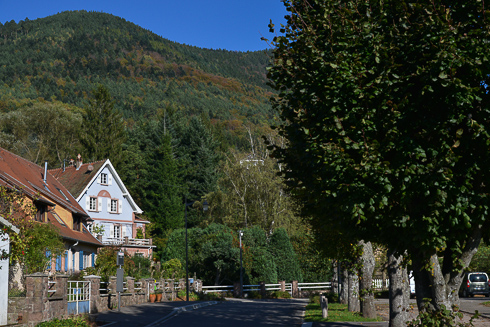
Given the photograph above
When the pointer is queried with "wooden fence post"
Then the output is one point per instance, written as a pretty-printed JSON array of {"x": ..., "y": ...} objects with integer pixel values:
[{"x": 262, "y": 290}]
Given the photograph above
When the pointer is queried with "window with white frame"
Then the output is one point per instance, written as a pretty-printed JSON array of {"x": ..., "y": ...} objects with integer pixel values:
[
  {"x": 92, "y": 204},
  {"x": 117, "y": 231},
  {"x": 114, "y": 205},
  {"x": 104, "y": 179}
]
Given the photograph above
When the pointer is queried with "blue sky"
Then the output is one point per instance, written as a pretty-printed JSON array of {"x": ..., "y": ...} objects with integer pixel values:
[{"x": 216, "y": 24}]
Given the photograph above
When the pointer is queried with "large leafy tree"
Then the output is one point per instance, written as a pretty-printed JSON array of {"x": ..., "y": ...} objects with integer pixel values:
[
  {"x": 102, "y": 133},
  {"x": 386, "y": 110},
  {"x": 41, "y": 131}
]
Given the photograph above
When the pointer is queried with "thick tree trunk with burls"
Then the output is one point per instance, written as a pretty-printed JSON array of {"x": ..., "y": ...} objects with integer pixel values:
[
  {"x": 368, "y": 308},
  {"x": 399, "y": 290},
  {"x": 441, "y": 284}
]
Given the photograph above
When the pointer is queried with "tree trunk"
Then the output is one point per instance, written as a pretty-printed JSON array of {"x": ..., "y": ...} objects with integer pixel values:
[
  {"x": 441, "y": 285},
  {"x": 399, "y": 290},
  {"x": 353, "y": 304},
  {"x": 368, "y": 308},
  {"x": 335, "y": 278},
  {"x": 344, "y": 290}
]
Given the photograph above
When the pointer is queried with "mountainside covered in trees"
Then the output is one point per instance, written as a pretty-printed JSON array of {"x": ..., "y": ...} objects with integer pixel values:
[{"x": 62, "y": 57}]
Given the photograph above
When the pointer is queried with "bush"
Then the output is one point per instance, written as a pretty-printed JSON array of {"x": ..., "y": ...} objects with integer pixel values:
[
  {"x": 253, "y": 295},
  {"x": 440, "y": 318},
  {"x": 211, "y": 296},
  {"x": 15, "y": 292},
  {"x": 280, "y": 295},
  {"x": 76, "y": 322},
  {"x": 331, "y": 296}
]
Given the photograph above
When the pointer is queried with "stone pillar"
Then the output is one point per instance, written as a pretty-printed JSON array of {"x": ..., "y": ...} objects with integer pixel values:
[
  {"x": 282, "y": 285},
  {"x": 112, "y": 285},
  {"x": 294, "y": 288},
  {"x": 262, "y": 290},
  {"x": 182, "y": 285},
  {"x": 144, "y": 288},
  {"x": 130, "y": 284},
  {"x": 171, "y": 289},
  {"x": 94, "y": 292},
  {"x": 236, "y": 289},
  {"x": 199, "y": 286},
  {"x": 62, "y": 292},
  {"x": 37, "y": 297}
]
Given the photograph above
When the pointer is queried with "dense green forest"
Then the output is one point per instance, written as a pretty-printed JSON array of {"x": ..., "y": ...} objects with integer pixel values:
[
  {"x": 61, "y": 57},
  {"x": 176, "y": 121}
]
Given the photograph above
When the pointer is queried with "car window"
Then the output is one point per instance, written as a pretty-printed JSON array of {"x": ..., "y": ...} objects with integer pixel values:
[{"x": 478, "y": 278}]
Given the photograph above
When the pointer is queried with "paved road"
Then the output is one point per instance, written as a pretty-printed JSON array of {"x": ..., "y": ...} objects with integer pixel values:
[
  {"x": 233, "y": 312},
  {"x": 243, "y": 313},
  {"x": 470, "y": 305}
]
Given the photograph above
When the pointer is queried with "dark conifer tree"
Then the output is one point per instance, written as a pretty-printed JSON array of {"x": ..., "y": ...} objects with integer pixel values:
[{"x": 102, "y": 133}]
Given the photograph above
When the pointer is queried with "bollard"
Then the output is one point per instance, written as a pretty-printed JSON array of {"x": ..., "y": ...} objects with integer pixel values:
[{"x": 324, "y": 305}]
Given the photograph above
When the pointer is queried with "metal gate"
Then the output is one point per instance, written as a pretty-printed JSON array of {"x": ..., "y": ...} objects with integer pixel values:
[{"x": 78, "y": 297}]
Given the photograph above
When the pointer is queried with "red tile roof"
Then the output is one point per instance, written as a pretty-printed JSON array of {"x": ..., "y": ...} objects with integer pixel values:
[
  {"x": 72, "y": 235},
  {"x": 24, "y": 175},
  {"x": 75, "y": 179}
]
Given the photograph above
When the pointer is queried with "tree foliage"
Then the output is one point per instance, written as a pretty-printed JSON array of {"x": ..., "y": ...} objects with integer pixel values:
[
  {"x": 36, "y": 243},
  {"x": 102, "y": 133},
  {"x": 41, "y": 131},
  {"x": 386, "y": 108}
]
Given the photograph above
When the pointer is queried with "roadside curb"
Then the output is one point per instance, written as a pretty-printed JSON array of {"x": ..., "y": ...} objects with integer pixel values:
[{"x": 176, "y": 311}]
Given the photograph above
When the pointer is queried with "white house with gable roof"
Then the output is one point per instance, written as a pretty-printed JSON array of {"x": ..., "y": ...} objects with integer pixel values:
[{"x": 100, "y": 191}]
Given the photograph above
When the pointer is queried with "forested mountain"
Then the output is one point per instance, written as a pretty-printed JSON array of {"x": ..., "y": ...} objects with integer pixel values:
[{"x": 62, "y": 57}]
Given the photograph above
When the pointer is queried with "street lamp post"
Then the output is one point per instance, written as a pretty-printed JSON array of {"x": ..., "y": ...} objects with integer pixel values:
[
  {"x": 204, "y": 208},
  {"x": 241, "y": 266}
]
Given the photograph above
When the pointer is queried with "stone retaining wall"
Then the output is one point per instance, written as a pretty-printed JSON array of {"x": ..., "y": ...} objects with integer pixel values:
[{"x": 40, "y": 304}]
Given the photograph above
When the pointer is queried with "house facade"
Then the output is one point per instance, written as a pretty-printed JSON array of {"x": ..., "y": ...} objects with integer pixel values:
[
  {"x": 54, "y": 205},
  {"x": 113, "y": 213}
]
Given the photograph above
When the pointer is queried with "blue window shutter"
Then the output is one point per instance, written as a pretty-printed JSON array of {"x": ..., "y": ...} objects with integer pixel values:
[
  {"x": 73, "y": 259},
  {"x": 58, "y": 263},
  {"x": 48, "y": 255},
  {"x": 66, "y": 261},
  {"x": 93, "y": 259},
  {"x": 81, "y": 260}
]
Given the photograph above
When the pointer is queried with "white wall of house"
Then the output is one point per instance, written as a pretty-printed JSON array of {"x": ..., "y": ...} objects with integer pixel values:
[{"x": 4, "y": 280}]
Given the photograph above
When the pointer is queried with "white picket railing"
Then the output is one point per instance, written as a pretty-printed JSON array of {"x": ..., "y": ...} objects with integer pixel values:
[
  {"x": 379, "y": 284},
  {"x": 317, "y": 286}
]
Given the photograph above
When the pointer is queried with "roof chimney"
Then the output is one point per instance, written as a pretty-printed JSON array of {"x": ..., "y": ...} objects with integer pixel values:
[
  {"x": 79, "y": 161},
  {"x": 45, "y": 171}
]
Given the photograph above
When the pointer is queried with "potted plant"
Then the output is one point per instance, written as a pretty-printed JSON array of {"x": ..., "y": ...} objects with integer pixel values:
[
  {"x": 153, "y": 297},
  {"x": 159, "y": 294}
]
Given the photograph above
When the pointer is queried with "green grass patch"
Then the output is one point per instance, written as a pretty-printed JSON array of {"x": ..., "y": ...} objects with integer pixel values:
[
  {"x": 486, "y": 303},
  {"x": 336, "y": 312}
]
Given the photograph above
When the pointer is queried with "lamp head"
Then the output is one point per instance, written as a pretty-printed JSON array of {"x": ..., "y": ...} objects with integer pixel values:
[{"x": 205, "y": 206}]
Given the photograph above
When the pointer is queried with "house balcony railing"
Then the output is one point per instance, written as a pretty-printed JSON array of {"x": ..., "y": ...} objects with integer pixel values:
[{"x": 128, "y": 241}]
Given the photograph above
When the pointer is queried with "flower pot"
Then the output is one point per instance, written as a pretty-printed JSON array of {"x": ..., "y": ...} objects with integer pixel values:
[
  {"x": 159, "y": 297},
  {"x": 152, "y": 298}
]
